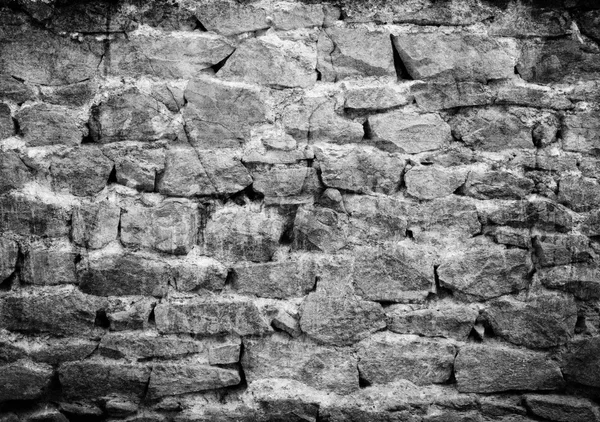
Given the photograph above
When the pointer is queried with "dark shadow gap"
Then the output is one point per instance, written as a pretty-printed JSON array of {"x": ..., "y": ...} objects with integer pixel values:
[{"x": 401, "y": 70}]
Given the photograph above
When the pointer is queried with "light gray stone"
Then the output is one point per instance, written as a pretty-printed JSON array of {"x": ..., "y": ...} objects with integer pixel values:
[
  {"x": 429, "y": 182},
  {"x": 49, "y": 263},
  {"x": 169, "y": 379}
]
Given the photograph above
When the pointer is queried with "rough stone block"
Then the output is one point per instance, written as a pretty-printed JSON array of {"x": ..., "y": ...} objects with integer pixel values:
[
  {"x": 541, "y": 321},
  {"x": 387, "y": 357},
  {"x": 27, "y": 214},
  {"x": 239, "y": 233},
  {"x": 96, "y": 378},
  {"x": 582, "y": 280},
  {"x": 49, "y": 263},
  {"x": 581, "y": 132},
  {"x": 562, "y": 408},
  {"x": 361, "y": 169},
  {"x": 340, "y": 320},
  {"x": 181, "y": 55},
  {"x": 407, "y": 132},
  {"x": 44, "y": 124},
  {"x": 9, "y": 253},
  {"x": 581, "y": 194},
  {"x": 351, "y": 53},
  {"x": 581, "y": 362},
  {"x": 272, "y": 61},
  {"x": 131, "y": 116},
  {"x": 7, "y": 126},
  {"x": 53, "y": 310},
  {"x": 437, "y": 319},
  {"x": 95, "y": 224},
  {"x": 496, "y": 368},
  {"x": 497, "y": 185},
  {"x": 137, "y": 166},
  {"x": 430, "y": 182},
  {"x": 294, "y": 276},
  {"x": 169, "y": 379},
  {"x": 559, "y": 249},
  {"x": 170, "y": 226},
  {"x": 24, "y": 380},
  {"x": 485, "y": 271},
  {"x": 322, "y": 367},
  {"x": 13, "y": 172},
  {"x": 81, "y": 171},
  {"x": 454, "y": 57},
  {"x": 221, "y": 113},
  {"x": 208, "y": 316}
]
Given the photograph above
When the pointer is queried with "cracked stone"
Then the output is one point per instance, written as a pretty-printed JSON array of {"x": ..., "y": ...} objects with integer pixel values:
[
  {"x": 562, "y": 409},
  {"x": 49, "y": 263},
  {"x": 44, "y": 124},
  {"x": 137, "y": 166},
  {"x": 82, "y": 171},
  {"x": 95, "y": 224},
  {"x": 430, "y": 182}
]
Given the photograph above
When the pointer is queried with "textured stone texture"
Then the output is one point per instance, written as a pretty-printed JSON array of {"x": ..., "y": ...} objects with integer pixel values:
[{"x": 299, "y": 210}]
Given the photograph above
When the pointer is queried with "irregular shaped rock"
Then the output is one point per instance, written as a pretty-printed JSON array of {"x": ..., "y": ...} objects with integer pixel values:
[
  {"x": 376, "y": 95},
  {"x": 497, "y": 185},
  {"x": 485, "y": 271},
  {"x": 48, "y": 263},
  {"x": 14, "y": 90},
  {"x": 184, "y": 174},
  {"x": 581, "y": 362},
  {"x": 491, "y": 129},
  {"x": 360, "y": 169},
  {"x": 146, "y": 345},
  {"x": 129, "y": 313},
  {"x": 225, "y": 169},
  {"x": 137, "y": 166},
  {"x": 119, "y": 273},
  {"x": 24, "y": 380},
  {"x": 562, "y": 408},
  {"x": 54, "y": 310},
  {"x": 286, "y": 184},
  {"x": 274, "y": 62},
  {"x": 429, "y": 182},
  {"x": 44, "y": 124},
  {"x": 495, "y": 368},
  {"x": 535, "y": 213},
  {"x": 581, "y": 194},
  {"x": 410, "y": 133},
  {"x": 168, "y": 56},
  {"x": 581, "y": 132},
  {"x": 47, "y": 350},
  {"x": 26, "y": 214},
  {"x": 221, "y": 113},
  {"x": 402, "y": 272},
  {"x": 439, "y": 95},
  {"x": 169, "y": 379},
  {"x": 95, "y": 224},
  {"x": 33, "y": 56},
  {"x": 321, "y": 367},
  {"x": 583, "y": 281},
  {"x": 170, "y": 226},
  {"x": 340, "y": 321},
  {"x": 7, "y": 126},
  {"x": 387, "y": 357},
  {"x": 76, "y": 95},
  {"x": 558, "y": 60},
  {"x": 13, "y": 172},
  {"x": 131, "y": 116},
  {"x": 530, "y": 95},
  {"x": 196, "y": 273},
  {"x": 317, "y": 116},
  {"x": 291, "y": 277},
  {"x": 206, "y": 316},
  {"x": 95, "y": 378},
  {"x": 454, "y": 57},
  {"x": 354, "y": 52},
  {"x": 9, "y": 253},
  {"x": 438, "y": 319},
  {"x": 230, "y": 18},
  {"x": 82, "y": 171},
  {"x": 541, "y": 321},
  {"x": 239, "y": 233},
  {"x": 560, "y": 249},
  {"x": 320, "y": 228}
]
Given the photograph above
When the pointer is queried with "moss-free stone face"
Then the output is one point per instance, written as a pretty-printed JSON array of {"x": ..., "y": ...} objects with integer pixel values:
[{"x": 24, "y": 380}]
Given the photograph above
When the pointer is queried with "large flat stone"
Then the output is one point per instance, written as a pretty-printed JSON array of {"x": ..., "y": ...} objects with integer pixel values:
[
  {"x": 581, "y": 132},
  {"x": 581, "y": 362},
  {"x": 458, "y": 57},
  {"x": 24, "y": 380},
  {"x": 170, "y": 226},
  {"x": 95, "y": 224},
  {"x": 53, "y": 310},
  {"x": 407, "y": 132},
  {"x": 170, "y": 379},
  {"x": 44, "y": 124},
  {"x": 541, "y": 321},
  {"x": 180, "y": 55},
  {"x": 208, "y": 316},
  {"x": 239, "y": 233},
  {"x": 322, "y": 367},
  {"x": 485, "y": 271},
  {"x": 49, "y": 263},
  {"x": 496, "y": 368},
  {"x": 340, "y": 320},
  {"x": 430, "y": 182},
  {"x": 387, "y": 357},
  {"x": 221, "y": 113},
  {"x": 81, "y": 171},
  {"x": 562, "y": 408},
  {"x": 131, "y": 116},
  {"x": 294, "y": 276},
  {"x": 361, "y": 169},
  {"x": 581, "y": 194},
  {"x": 354, "y": 52},
  {"x": 273, "y": 62},
  {"x": 582, "y": 280},
  {"x": 96, "y": 378}
]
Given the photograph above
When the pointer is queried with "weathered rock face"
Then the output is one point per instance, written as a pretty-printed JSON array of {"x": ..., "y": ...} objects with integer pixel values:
[{"x": 299, "y": 210}]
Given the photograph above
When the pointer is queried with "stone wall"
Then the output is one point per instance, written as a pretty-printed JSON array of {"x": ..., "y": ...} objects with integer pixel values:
[{"x": 299, "y": 211}]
